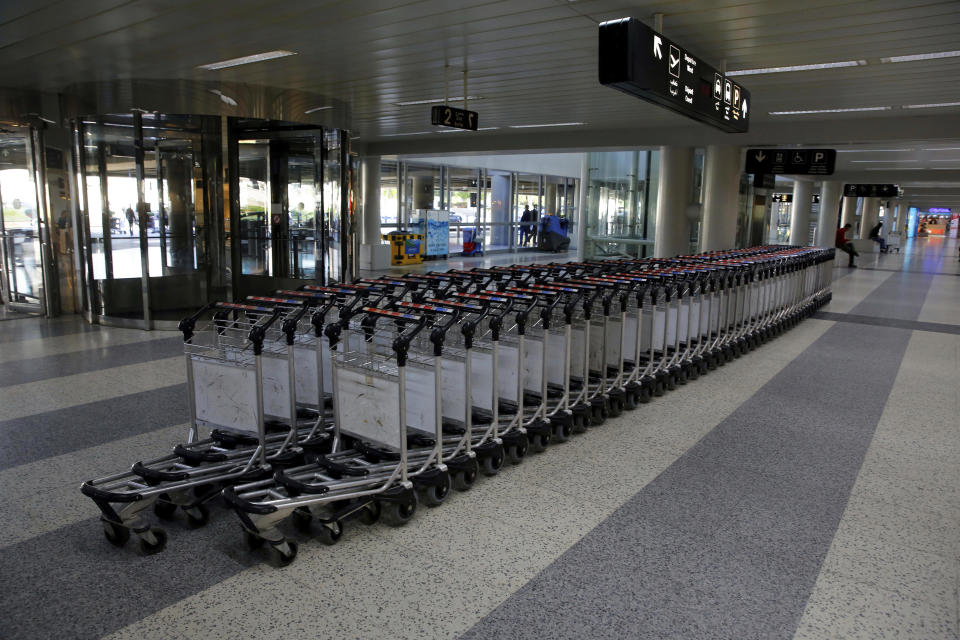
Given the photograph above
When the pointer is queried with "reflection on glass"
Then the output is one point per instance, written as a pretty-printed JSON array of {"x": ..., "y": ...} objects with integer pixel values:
[
  {"x": 19, "y": 225},
  {"x": 304, "y": 201},
  {"x": 255, "y": 233},
  {"x": 331, "y": 204}
]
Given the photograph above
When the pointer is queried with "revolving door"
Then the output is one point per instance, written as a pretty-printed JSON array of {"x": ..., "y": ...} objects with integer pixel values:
[{"x": 179, "y": 210}]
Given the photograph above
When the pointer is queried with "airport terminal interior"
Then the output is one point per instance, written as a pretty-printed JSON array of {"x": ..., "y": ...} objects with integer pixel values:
[{"x": 478, "y": 319}]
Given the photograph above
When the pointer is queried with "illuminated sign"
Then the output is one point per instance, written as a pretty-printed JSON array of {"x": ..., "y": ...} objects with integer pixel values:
[{"x": 939, "y": 210}]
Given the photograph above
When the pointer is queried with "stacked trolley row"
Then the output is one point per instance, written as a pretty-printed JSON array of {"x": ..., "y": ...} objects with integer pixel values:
[{"x": 363, "y": 401}]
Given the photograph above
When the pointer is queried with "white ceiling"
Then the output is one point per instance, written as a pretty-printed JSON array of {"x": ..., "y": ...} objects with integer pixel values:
[{"x": 532, "y": 61}]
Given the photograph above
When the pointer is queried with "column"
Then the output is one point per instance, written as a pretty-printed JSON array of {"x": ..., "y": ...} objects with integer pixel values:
[
  {"x": 830, "y": 191},
  {"x": 580, "y": 224},
  {"x": 370, "y": 212},
  {"x": 800, "y": 212},
  {"x": 422, "y": 192},
  {"x": 871, "y": 213},
  {"x": 721, "y": 198},
  {"x": 673, "y": 195},
  {"x": 849, "y": 213},
  {"x": 550, "y": 198}
]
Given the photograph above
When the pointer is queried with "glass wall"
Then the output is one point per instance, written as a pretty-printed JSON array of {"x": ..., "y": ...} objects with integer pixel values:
[
  {"x": 493, "y": 201},
  {"x": 20, "y": 222},
  {"x": 620, "y": 213}
]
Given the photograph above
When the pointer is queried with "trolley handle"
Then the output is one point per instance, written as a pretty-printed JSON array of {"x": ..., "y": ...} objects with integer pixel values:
[
  {"x": 318, "y": 317},
  {"x": 259, "y": 331},
  {"x": 439, "y": 331},
  {"x": 189, "y": 324}
]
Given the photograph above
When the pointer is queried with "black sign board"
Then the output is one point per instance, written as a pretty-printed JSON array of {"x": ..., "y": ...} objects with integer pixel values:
[
  {"x": 816, "y": 198},
  {"x": 782, "y": 197},
  {"x": 764, "y": 180},
  {"x": 447, "y": 116},
  {"x": 816, "y": 162},
  {"x": 641, "y": 62},
  {"x": 870, "y": 191}
]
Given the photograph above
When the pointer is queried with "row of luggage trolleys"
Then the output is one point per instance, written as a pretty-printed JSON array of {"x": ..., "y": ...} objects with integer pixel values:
[{"x": 363, "y": 401}]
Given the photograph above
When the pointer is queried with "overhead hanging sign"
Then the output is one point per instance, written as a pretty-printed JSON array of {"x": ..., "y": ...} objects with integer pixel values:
[
  {"x": 939, "y": 210},
  {"x": 782, "y": 197},
  {"x": 870, "y": 191},
  {"x": 641, "y": 62},
  {"x": 447, "y": 116},
  {"x": 813, "y": 162}
]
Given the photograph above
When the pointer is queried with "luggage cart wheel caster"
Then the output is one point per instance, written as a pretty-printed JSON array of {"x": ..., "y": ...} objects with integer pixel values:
[
  {"x": 517, "y": 452},
  {"x": 159, "y": 542},
  {"x": 464, "y": 480},
  {"x": 658, "y": 388},
  {"x": 397, "y": 514},
  {"x": 579, "y": 423},
  {"x": 302, "y": 520},
  {"x": 115, "y": 534},
  {"x": 493, "y": 462},
  {"x": 331, "y": 533},
  {"x": 252, "y": 540},
  {"x": 197, "y": 516},
  {"x": 562, "y": 428},
  {"x": 644, "y": 394},
  {"x": 163, "y": 508},
  {"x": 539, "y": 442},
  {"x": 370, "y": 514},
  {"x": 631, "y": 400},
  {"x": 287, "y": 555},
  {"x": 434, "y": 495}
]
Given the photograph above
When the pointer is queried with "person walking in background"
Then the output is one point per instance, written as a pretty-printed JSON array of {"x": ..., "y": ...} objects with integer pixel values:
[
  {"x": 845, "y": 245},
  {"x": 875, "y": 236},
  {"x": 526, "y": 229},
  {"x": 131, "y": 218}
]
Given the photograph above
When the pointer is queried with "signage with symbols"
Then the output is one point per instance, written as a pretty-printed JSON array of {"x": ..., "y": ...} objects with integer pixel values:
[
  {"x": 870, "y": 191},
  {"x": 447, "y": 116},
  {"x": 641, "y": 62},
  {"x": 816, "y": 162},
  {"x": 782, "y": 197}
]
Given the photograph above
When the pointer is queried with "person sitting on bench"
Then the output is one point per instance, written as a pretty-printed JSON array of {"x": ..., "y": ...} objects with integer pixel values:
[
  {"x": 876, "y": 237},
  {"x": 843, "y": 244}
]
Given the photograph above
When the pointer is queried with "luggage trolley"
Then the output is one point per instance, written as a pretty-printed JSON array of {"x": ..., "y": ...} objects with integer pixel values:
[{"x": 235, "y": 382}]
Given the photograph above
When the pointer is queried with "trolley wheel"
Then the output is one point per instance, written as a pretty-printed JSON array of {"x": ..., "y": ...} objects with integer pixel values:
[
  {"x": 493, "y": 462},
  {"x": 116, "y": 535},
  {"x": 658, "y": 388},
  {"x": 630, "y": 400},
  {"x": 370, "y": 513},
  {"x": 163, "y": 508},
  {"x": 539, "y": 442},
  {"x": 517, "y": 452},
  {"x": 579, "y": 423},
  {"x": 302, "y": 520},
  {"x": 681, "y": 375},
  {"x": 288, "y": 555},
  {"x": 158, "y": 546},
  {"x": 562, "y": 429},
  {"x": 704, "y": 367},
  {"x": 693, "y": 371},
  {"x": 463, "y": 480},
  {"x": 331, "y": 533},
  {"x": 616, "y": 406},
  {"x": 599, "y": 414},
  {"x": 197, "y": 516},
  {"x": 397, "y": 514},
  {"x": 434, "y": 495},
  {"x": 644, "y": 394},
  {"x": 671, "y": 381},
  {"x": 251, "y": 540}
]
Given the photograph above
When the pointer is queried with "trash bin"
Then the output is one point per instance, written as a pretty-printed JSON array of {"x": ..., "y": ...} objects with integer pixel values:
[
  {"x": 472, "y": 242},
  {"x": 405, "y": 248}
]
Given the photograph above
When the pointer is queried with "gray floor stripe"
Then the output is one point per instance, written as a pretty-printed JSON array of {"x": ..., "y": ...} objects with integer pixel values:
[
  {"x": 728, "y": 541},
  {"x": 33, "y": 369},
  {"x": 921, "y": 271},
  {"x": 15, "y": 331},
  {"x": 912, "y": 325},
  {"x": 54, "y": 433},
  {"x": 70, "y": 583}
]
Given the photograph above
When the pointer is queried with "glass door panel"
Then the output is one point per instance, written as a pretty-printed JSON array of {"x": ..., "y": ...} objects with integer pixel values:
[
  {"x": 254, "y": 193},
  {"x": 19, "y": 224}
]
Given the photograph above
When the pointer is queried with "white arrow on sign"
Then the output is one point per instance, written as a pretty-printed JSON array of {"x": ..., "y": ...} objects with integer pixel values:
[
  {"x": 744, "y": 109},
  {"x": 761, "y": 156},
  {"x": 657, "y": 42}
]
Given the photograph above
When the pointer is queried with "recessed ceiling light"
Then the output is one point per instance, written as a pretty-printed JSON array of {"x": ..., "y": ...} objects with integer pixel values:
[
  {"x": 932, "y": 105},
  {"x": 807, "y": 111},
  {"x": 905, "y": 160},
  {"x": 236, "y": 62},
  {"x": 798, "y": 67},
  {"x": 944, "y": 168},
  {"x": 412, "y": 133},
  {"x": 871, "y": 150},
  {"x": 922, "y": 56},
  {"x": 549, "y": 124},
  {"x": 436, "y": 100},
  {"x": 315, "y": 109},
  {"x": 888, "y": 168},
  {"x": 945, "y": 160},
  {"x": 942, "y": 149}
]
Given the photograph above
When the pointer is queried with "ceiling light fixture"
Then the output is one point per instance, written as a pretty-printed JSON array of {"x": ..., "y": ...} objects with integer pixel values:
[
  {"x": 944, "y": 168},
  {"x": 798, "y": 67},
  {"x": 412, "y": 133},
  {"x": 549, "y": 124},
  {"x": 942, "y": 149},
  {"x": 889, "y": 168},
  {"x": 436, "y": 100},
  {"x": 224, "y": 99},
  {"x": 932, "y": 105},
  {"x": 315, "y": 109},
  {"x": 808, "y": 111},
  {"x": 904, "y": 160},
  {"x": 922, "y": 56},
  {"x": 236, "y": 62}
]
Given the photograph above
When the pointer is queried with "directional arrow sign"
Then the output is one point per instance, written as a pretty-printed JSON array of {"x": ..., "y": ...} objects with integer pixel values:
[
  {"x": 815, "y": 162},
  {"x": 639, "y": 61}
]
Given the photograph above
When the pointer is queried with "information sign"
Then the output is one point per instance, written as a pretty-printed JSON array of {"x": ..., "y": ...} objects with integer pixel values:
[
  {"x": 870, "y": 191},
  {"x": 817, "y": 162},
  {"x": 447, "y": 116},
  {"x": 641, "y": 62}
]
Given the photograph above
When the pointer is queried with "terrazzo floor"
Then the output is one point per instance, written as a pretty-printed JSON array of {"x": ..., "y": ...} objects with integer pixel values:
[{"x": 809, "y": 489}]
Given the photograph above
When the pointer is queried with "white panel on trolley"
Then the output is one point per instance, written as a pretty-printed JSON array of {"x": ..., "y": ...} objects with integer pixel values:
[
  {"x": 556, "y": 358},
  {"x": 421, "y": 399},
  {"x": 276, "y": 387},
  {"x": 532, "y": 364},
  {"x": 508, "y": 370},
  {"x": 596, "y": 345},
  {"x": 369, "y": 406},
  {"x": 614, "y": 341},
  {"x": 453, "y": 395},
  {"x": 671, "y": 326},
  {"x": 226, "y": 395},
  {"x": 659, "y": 316},
  {"x": 482, "y": 375},
  {"x": 630, "y": 336},
  {"x": 578, "y": 347},
  {"x": 308, "y": 389},
  {"x": 683, "y": 320}
]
